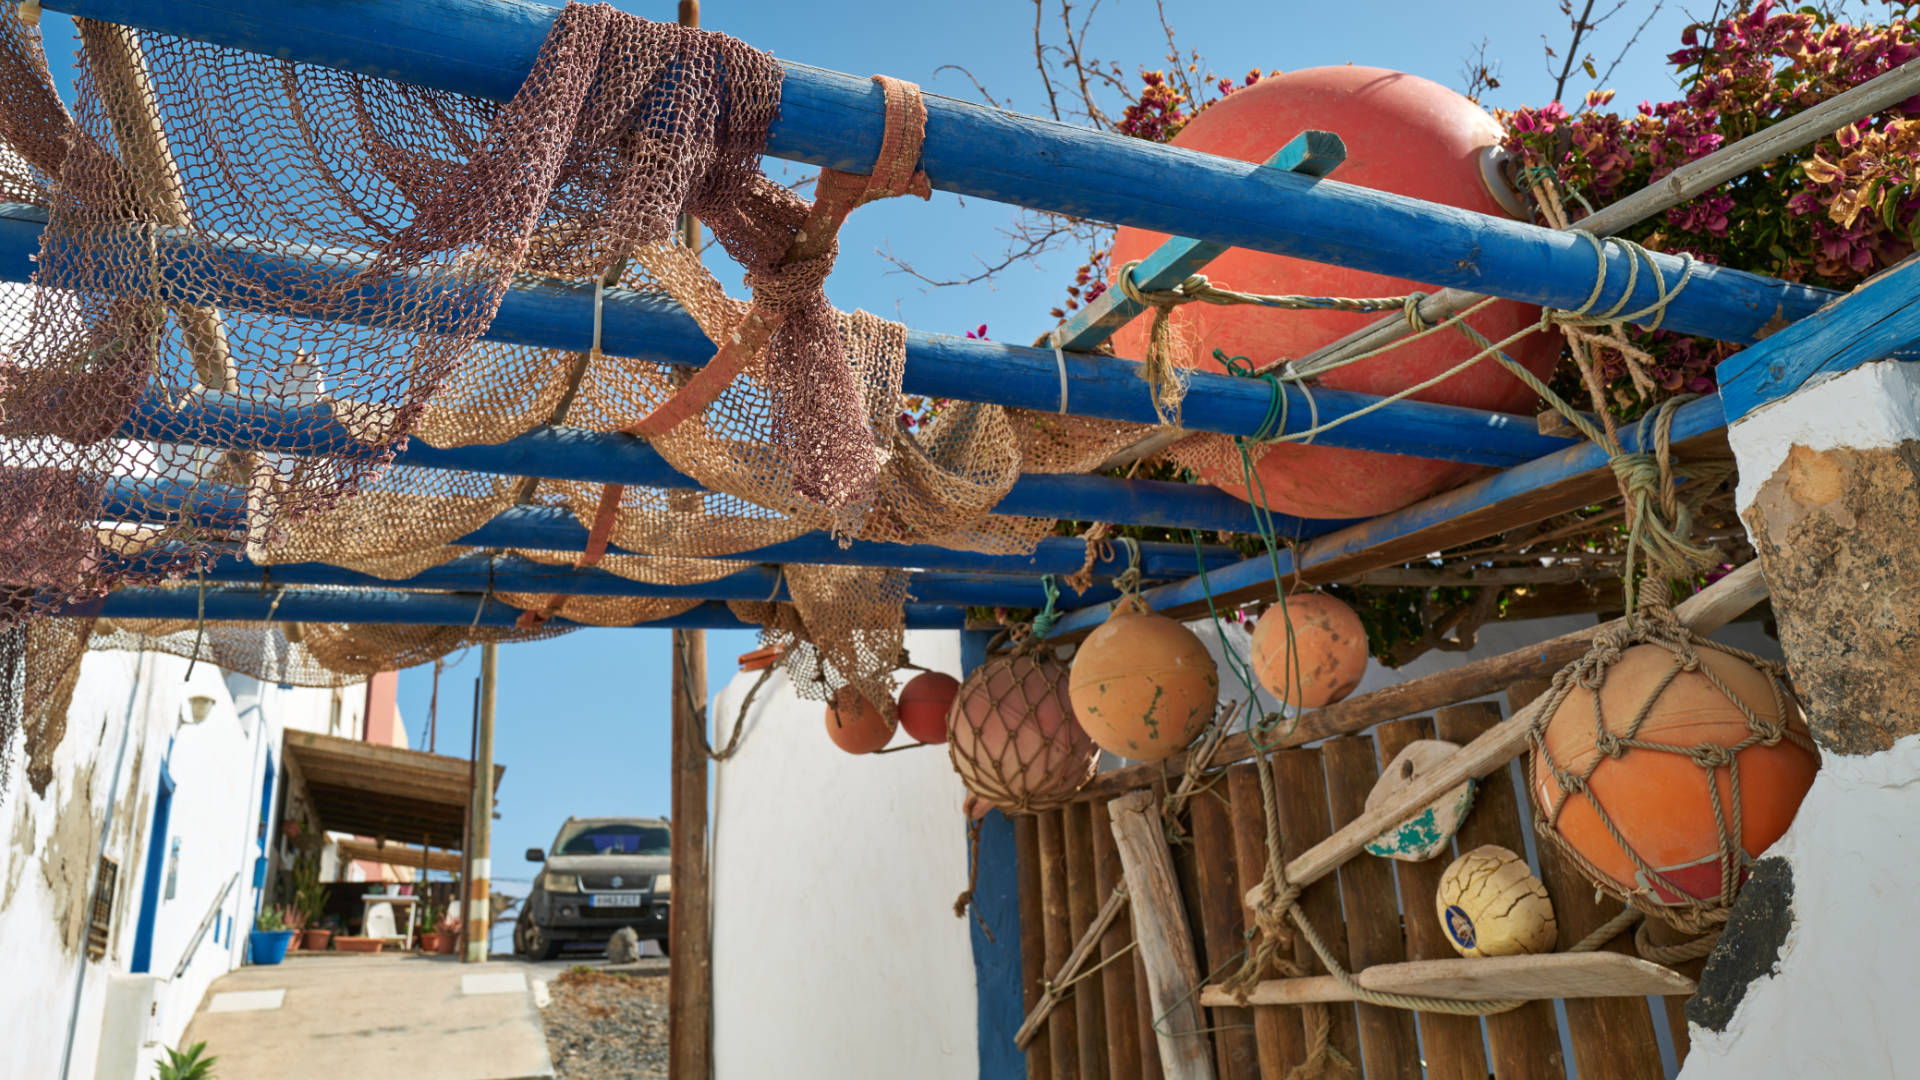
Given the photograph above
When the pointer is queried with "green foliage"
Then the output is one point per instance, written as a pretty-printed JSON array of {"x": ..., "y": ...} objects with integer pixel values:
[
  {"x": 188, "y": 1065},
  {"x": 270, "y": 920},
  {"x": 309, "y": 895}
]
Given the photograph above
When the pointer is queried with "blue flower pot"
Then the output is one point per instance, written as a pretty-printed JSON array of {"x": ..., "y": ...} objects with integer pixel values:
[{"x": 269, "y": 946}]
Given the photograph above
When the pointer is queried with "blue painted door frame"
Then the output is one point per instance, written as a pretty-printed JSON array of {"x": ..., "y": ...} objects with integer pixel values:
[
  {"x": 996, "y": 903},
  {"x": 156, "y": 868}
]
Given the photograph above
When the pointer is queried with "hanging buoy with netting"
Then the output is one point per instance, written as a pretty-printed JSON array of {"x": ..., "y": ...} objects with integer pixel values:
[
  {"x": 1011, "y": 734},
  {"x": 1637, "y": 780},
  {"x": 1404, "y": 135},
  {"x": 1490, "y": 904},
  {"x": 1320, "y": 661},
  {"x": 1142, "y": 685},
  {"x": 924, "y": 703},
  {"x": 855, "y": 724}
]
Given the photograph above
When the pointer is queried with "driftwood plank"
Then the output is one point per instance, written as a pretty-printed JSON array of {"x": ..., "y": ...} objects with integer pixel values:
[
  {"x": 1085, "y": 947},
  {"x": 1063, "y": 1031},
  {"x": 1591, "y": 976},
  {"x": 1612, "y": 1038},
  {"x": 1452, "y": 1043},
  {"x": 1120, "y": 989},
  {"x": 1165, "y": 938},
  {"x": 1388, "y": 1040},
  {"x": 1143, "y": 1005},
  {"x": 1220, "y": 931},
  {"x": 1300, "y": 784},
  {"x": 1524, "y": 1044},
  {"x": 1084, "y": 903},
  {"x": 1033, "y": 936},
  {"x": 1277, "y": 1033},
  {"x": 1711, "y": 609}
]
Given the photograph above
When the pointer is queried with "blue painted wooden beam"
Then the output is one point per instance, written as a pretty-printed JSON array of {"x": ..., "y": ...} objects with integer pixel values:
[
  {"x": 649, "y": 327},
  {"x": 561, "y": 453},
  {"x": 395, "y": 607},
  {"x": 486, "y": 47},
  {"x": 479, "y": 573},
  {"x": 1574, "y": 477},
  {"x": 1310, "y": 153},
  {"x": 1876, "y": 320},
  {"x": 553, "y": 528}
]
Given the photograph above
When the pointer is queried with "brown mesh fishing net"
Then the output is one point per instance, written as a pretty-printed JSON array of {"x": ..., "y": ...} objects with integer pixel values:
[
  {"x": 1012, "y": 736},
  {"x": 39, "y": 667}
]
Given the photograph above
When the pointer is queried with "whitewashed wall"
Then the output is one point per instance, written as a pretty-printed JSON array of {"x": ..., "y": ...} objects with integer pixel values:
[
  {"x": 52, "y": 844},
  {"x": 835, "y": 948}
]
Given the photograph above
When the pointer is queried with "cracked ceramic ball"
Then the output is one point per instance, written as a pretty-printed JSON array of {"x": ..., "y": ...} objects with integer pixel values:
[
  {"x": 1143, "y": 685},
  {"x": 1490, "y": 904}
]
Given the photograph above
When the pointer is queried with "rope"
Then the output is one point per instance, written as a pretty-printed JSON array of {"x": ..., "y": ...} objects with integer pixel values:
[
  {"x": 1060, "y": 362},
  {"x": 1043, "y": 623}
]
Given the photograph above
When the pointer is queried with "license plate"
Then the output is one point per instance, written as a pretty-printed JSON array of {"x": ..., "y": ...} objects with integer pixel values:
[{"x": 617, "y": 899}]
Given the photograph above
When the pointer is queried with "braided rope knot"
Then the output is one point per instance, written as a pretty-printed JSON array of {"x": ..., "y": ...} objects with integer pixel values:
[
  {"x": 1613, "y": 746},
  {"x": 1711, "y": 755}
]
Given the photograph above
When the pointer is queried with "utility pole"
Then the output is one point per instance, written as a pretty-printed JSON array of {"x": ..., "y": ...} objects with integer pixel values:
[
  {"x": 480, "y": 829},
  {"x": 690, "y": 927}
]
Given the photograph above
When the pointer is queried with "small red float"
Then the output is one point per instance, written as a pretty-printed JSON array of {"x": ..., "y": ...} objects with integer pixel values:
[
  {"x": 855, "y": 725},
  {"x": 924, "y": 702},
  {"x": 1404, "y": 135}
]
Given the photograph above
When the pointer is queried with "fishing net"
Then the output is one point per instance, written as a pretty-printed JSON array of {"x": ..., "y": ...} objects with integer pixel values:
[
  {"x": 39, "y": 667},
  {"x": 1012, "y": 736},
  {"x": 311, "y": 258}
]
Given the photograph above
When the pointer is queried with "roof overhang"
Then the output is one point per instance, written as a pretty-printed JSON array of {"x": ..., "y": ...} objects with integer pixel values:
[{"x": 384, "y": 792}]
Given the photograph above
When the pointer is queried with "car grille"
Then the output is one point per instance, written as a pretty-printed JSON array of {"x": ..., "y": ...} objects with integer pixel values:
[
  {"x": 635, "y": 913},
  {"x": 628, "y": 882}
]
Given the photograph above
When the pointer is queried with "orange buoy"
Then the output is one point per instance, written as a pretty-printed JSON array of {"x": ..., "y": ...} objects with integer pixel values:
[
  {"x": 1012, "y": 737},
  {"x": 1404, "y": 135},
  {"x": 1142, "y": 685},
  {"x": 924, "y": 702},
  {"x": 855, "y": 725},
  {"x": 1662, "y": 802},
  {"x": 1328, "y": 640}
]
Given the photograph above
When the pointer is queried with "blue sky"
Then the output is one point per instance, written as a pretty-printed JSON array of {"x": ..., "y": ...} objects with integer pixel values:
[{"x": 583, "y": 718}]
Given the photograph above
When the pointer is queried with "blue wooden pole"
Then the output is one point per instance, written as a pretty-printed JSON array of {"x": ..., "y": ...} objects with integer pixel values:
[
  {"x": 560, "y": 453},
  {"x": 485, "y": 48},
  {"x": 395, "y": 607},
  {"x": 515, "y": 574},
  {"x": 645, "y": 326},
  {"x": 553, "y": 528},
  {"x": 1694, "y": 418}
]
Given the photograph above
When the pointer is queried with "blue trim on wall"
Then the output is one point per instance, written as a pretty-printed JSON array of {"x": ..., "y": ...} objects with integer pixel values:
[
  {"x": 156, "y": 866},
  {"x": 996, "y": 902},
  {"x": 996, "y": 963}
]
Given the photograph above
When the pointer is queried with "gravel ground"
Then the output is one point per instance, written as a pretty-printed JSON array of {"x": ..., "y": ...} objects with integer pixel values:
[{"x": 607, "y": 1027}]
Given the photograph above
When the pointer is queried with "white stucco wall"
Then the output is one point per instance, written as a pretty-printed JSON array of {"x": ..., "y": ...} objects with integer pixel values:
[
  {"x": 1842, "y": 996},
  {"x": 835, "y": 951},
  {"x": 217, "y": 766}
]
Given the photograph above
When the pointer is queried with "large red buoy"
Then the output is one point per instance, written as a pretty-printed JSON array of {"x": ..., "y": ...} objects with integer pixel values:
[
  {"x": 1405, "y": 135},
  {"x": 924, "y": 702},
  {"x": 1328, "y": 650},
  {"x": 855, "y": 725},
  {"x": 1660, "y": 803}
]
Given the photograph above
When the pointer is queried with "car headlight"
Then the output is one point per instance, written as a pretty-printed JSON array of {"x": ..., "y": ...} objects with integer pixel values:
[
  {"x": 663, "y": 883},
  {"x": 560, "y": 883}
]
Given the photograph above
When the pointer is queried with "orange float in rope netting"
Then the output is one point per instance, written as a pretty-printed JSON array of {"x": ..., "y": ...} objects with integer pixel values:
[{"x": 1012, "y": 736}]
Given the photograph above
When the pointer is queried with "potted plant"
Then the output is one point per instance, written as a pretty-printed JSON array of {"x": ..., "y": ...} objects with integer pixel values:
[
  {"x": 294, "y": 918},
  {"x": 449, "y": 930},
  {"x": 430, "y": 917},
  {"x": 185, "y": 1065},
  {"x": 310, "y": 896},
  {"x": 270, "y": 937}
]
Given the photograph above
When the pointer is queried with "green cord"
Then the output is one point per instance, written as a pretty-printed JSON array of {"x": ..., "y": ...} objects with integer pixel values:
[{"x": 1043, "y": 623}]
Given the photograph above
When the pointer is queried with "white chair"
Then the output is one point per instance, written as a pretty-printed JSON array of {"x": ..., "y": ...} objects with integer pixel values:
[{"x": 380, "y": 923}]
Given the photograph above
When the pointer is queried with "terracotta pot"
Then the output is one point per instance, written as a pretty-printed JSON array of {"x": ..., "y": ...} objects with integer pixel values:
[
  {"x": 431, "y": 941},
  {"x": 293, "y": 943},
  {"x": 357, "y": 944},
  {"x": 315, "y": 940},
  {"x": 448, "y": 943}
]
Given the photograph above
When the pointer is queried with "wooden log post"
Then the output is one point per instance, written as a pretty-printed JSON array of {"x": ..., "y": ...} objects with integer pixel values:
[
  {"x": 1117, "y": 982},
  {"x": 1816, "y": 957},
  {"x": 479, "y": 913},
  {"x": 1033, "y": 937},
  {"x": 1084, "y": 899},
  {"x": 1165, "y": 938},
  {"x": 1453, "y": 1046},
  {"x": 690, "y": 926},
  {"x": 1277, "y": 1033},
  {"x": 1063, "y": 1029},
  {"x": 1221, "y": 933},
  {"x": 1388, "y": 1040},
  {"x": 1523, "y": 1044},
  {"x": 1612, "y": 1038}
]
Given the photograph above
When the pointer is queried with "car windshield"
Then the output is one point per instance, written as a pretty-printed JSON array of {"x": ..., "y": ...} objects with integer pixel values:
[{"x": 612, "y": 840}]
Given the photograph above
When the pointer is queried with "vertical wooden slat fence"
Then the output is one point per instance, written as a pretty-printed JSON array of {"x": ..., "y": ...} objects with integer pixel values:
[
  {"x": 1221, "y": 928},
  {"x": 1084, "y": 898},
  {"x": 1117, "y": 982},
  {"x": 1063, "y": 1029}
]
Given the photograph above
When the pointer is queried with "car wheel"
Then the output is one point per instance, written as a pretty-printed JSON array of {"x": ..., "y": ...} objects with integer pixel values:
[
  {"x": 534, "y": 944},
  {"x": 662, "y": 942}
]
